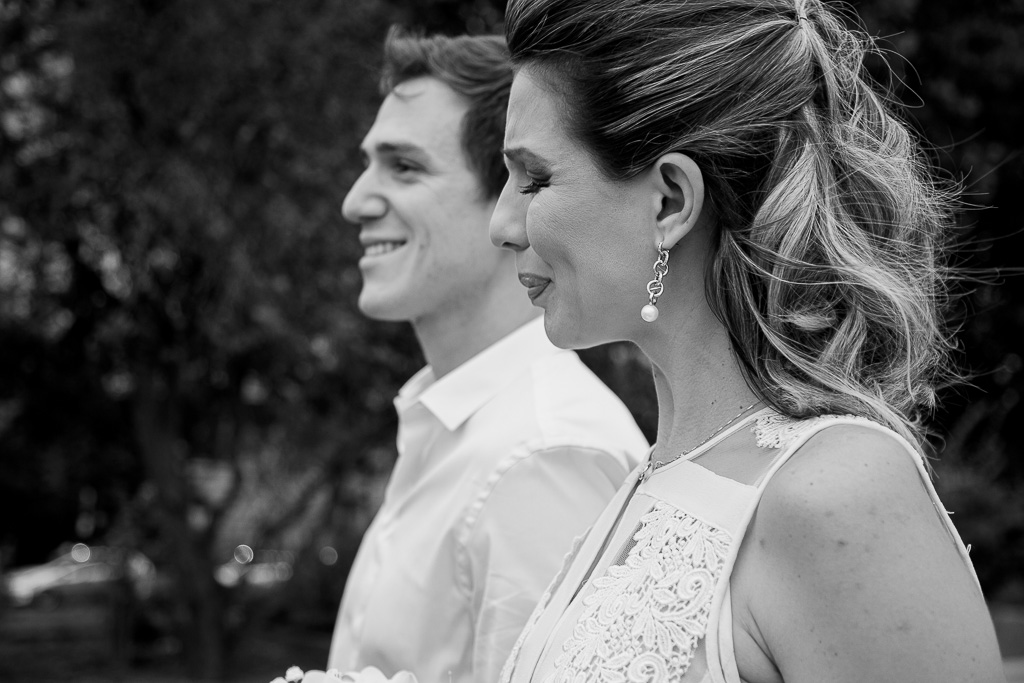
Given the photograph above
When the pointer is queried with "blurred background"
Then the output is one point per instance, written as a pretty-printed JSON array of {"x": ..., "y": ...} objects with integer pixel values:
[{"x": 195, "y": 421}]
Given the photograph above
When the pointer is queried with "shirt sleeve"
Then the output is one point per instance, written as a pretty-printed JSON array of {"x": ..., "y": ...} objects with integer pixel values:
[{"x": 518, "y": 534}]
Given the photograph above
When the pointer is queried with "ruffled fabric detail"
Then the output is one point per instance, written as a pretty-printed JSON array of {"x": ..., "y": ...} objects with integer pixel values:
[
  {"x": 646, "y": 617},
  {"x": 471, "y": 514},
  {"x": 510, "y": 663}
]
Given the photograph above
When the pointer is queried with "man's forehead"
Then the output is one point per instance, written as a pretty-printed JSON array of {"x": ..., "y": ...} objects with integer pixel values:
[
  {"x": 415, "y": 87},
  {"x": 420, "y": 115},
  {"x": 424, "y": 100}
]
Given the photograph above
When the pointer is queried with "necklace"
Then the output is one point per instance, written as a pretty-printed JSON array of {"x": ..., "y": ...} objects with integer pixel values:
[{"x": 654, "y": 465}]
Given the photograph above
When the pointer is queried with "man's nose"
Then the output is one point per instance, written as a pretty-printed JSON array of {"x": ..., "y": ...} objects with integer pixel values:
[
  {"x": 363, "y": 201},
  {"x": 508, "y": 222}
]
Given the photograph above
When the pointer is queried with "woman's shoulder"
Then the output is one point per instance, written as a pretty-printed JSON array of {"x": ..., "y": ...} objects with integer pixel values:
[
  {"x": 851, "y": 540},
  {"x": 851, "y": 503},
  {"x": 842, "y": 466}
]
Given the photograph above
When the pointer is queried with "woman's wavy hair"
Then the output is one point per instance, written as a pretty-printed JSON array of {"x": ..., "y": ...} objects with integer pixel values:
[{"x": 828, "y": 264}]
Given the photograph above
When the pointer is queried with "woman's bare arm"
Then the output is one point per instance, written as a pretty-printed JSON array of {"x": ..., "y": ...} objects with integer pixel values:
[{"x": 859, "y": 578}]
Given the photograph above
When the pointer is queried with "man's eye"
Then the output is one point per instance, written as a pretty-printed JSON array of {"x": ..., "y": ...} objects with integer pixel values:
[{"x": 400, "y": 166}]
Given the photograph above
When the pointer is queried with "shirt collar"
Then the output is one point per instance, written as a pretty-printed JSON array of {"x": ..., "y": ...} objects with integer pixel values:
[{"x": 456, "y": 396}]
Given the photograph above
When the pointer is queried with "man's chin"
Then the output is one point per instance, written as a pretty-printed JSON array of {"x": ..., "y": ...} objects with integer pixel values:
[{"x": 380, "y": 308}]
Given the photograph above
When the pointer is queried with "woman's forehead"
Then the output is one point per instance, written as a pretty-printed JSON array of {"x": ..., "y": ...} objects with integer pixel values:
[{"x": 534, "y": 111}]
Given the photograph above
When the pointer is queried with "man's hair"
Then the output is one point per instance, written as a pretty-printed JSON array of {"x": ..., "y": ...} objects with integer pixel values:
[{"x": 477, "y": 68}]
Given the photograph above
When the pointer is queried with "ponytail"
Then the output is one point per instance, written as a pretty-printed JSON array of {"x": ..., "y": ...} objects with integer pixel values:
[{"x": 835, "y": 290}]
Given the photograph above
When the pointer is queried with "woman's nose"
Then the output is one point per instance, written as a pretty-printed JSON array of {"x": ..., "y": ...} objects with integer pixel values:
[
  {"x": 508, "y": 222},
  {"x": 363, "y": 202}
]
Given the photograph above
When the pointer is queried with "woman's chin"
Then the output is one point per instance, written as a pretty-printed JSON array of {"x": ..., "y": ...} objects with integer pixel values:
[
  {"x": 557, "y": 331},
  {"x": 567, "y": 334}
]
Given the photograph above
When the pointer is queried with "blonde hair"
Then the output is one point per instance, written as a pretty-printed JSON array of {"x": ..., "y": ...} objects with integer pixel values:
[{"x": 828, "y": 265}]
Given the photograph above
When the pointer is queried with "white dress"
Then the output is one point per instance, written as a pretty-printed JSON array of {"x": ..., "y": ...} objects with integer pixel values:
[{"x": 645, "y": 596}]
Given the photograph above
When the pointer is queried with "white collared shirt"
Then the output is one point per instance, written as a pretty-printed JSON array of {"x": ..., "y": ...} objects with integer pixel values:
[{"x": 501, "y": 464}]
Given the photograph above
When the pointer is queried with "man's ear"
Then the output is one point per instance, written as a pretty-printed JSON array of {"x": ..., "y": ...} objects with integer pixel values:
[{"x": 680, "y": 184}]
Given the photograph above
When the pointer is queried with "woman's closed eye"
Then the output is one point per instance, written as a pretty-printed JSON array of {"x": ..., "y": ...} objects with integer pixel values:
[{"x": 533, "y": 187}]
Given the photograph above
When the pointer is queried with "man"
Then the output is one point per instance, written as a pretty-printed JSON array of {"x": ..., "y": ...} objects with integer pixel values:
[{"x": 508, "y": 447}]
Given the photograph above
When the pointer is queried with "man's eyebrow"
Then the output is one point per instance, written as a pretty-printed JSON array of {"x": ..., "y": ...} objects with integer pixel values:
[
  {"x": 397, "y": 148},
  {"x": 523, "y": 156}
]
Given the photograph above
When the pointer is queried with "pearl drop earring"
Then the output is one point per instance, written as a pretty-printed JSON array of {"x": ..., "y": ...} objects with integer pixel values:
[{"x": 655, "y": 287}]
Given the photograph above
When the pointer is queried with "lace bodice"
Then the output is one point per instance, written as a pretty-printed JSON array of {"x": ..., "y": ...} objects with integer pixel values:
[
  {"x": 645, "y": 617},
  {"x": 643, "y": 598}
]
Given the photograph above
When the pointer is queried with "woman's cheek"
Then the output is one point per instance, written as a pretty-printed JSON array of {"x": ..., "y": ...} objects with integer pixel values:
[{"x": 538, "y": 225}]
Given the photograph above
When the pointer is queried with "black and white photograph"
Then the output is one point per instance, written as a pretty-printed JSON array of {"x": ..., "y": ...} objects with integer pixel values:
[{"x": 511, "y": 341}]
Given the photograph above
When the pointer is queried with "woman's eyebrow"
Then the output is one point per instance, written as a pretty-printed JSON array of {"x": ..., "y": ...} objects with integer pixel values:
[{"x": 523, "y": 156}]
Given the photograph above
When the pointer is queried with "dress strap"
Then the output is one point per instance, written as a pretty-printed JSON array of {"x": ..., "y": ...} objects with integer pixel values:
[{"x": 653, "y": 465}]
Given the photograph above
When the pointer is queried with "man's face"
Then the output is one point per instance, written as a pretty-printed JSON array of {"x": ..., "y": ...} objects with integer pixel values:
[{"x": 422, "y": 211}]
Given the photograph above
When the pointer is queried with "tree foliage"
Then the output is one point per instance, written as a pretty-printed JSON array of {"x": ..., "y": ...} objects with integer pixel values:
[
  {"x": 177, "y": 280},
  {"x": 962, "y": 70}
]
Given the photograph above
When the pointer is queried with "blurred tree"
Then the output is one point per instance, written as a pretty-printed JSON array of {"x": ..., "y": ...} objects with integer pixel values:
[
  {"x": 962, "y": 72},
  {"x": 177, "y": 284}
]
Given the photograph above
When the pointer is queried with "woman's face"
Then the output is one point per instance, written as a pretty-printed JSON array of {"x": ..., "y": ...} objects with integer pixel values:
[{"x": 585, "y": 245}]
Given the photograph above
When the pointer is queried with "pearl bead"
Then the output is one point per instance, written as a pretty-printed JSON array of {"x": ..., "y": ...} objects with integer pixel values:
[{"x": 649, "y": 313}]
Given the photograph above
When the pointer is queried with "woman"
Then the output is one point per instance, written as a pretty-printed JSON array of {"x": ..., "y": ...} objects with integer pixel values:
[{"x": 785, "y": 528}]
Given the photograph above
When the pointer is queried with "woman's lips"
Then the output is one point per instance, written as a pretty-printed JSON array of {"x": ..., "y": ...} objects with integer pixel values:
[{"x": 535, "y": 284}]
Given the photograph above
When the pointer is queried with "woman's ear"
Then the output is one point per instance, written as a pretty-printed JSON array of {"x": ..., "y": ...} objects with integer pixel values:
[{"x": 680, "y": 185}]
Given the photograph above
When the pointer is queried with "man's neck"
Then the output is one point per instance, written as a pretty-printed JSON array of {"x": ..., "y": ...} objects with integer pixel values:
[{"x": 450, "y": 340}]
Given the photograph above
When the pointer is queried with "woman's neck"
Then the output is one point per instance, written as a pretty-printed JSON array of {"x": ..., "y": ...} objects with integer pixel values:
[{"x": 700, "y": 386}]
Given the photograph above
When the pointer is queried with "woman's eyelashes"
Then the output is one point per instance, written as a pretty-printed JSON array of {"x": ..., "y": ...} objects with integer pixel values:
[{"x": 533, "y": 187}]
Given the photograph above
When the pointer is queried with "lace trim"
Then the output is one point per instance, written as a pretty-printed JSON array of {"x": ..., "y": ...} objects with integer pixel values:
[
  {"x": 775, "y": 430},
  {"x": 510, "y": 663},
  {"x": 646, "y": 617}
]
